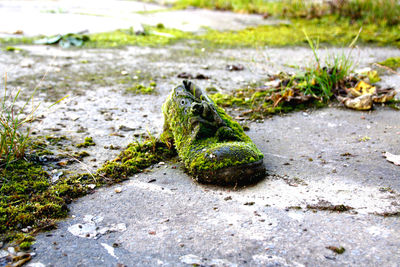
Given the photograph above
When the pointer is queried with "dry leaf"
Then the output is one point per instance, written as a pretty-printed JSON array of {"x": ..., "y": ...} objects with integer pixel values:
[
  {"x": 363, "y": 102},
  {"x": 383, "y": 98},
  {"x": 395, "y": 159},
  {"x": 363, "y": 88}
]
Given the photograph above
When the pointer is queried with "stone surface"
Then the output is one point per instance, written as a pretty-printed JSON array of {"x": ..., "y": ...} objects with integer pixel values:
[{"x": 315, "y": 158}]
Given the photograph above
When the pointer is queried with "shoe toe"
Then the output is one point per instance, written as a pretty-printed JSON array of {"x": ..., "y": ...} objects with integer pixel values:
[{"x": 229, "y": 163}]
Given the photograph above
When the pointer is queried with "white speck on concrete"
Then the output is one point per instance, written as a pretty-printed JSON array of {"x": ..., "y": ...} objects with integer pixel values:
[
  {"x": 36, "y": 264},
  {"x": 87, "y": 230},
  {"x": 191, "y": 259},
  {"x": 109, "y": 249}
]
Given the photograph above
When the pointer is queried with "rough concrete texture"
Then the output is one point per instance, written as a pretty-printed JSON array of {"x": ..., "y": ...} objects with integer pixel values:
[{"x": 315, "y": 159}]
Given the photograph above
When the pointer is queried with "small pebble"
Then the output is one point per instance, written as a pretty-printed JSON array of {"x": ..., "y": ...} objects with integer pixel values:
[
  {"x": 118, "y": 190},
  {"x": 91, "y": 186},
  {"x": 11, "y": 250}
]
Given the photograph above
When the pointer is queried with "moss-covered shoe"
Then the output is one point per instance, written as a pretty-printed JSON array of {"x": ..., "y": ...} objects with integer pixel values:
[{"x": 213, "y": 147}]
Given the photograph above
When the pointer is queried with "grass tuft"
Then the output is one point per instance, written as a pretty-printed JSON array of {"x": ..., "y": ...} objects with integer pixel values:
[{"x": 14, "y": 138}]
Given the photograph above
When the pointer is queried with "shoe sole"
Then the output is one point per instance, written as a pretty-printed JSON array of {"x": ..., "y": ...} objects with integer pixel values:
[{"x": 243, "y": 174}]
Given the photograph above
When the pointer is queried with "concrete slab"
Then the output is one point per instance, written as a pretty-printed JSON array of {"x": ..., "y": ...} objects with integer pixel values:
[{"x": 315, "y": 158}]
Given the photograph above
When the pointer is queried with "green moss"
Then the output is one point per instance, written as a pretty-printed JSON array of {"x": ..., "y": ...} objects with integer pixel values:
[
  {"x": 337, "y": 250},
  {"x": 246, "y": 6},
  {"x": 16, "y": 41},
  {"x": 12, "y": 49},
  {"x": 25, "y": 245},
  {"x": 136, "y": 157},
  {"x": 55, "y": 140},
  {"x": 256, "y": 105},
  {"x": 81, "y": 155},
  {"x": 229, "y": 100},
  {"x": 154, "y": 37},
  {"x": 141, "y": 89},
  {"x": 88, "y": 142},
  {"x": 29, "y": 199},
  {"x": 367, "y": 11},
  {"x": 24, "y": 199},
  {"x": 394, "y": 104},
  {"x": 199, "y": 146},
  {"x": 392, "y": 62},
  {"x": 331, "y": 30}
]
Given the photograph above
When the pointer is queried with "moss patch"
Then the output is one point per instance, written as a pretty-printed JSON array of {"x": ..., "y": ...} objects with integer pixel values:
[
  {"x": 331, "y": 30},
  {"x": 28, "y": 198},
  {"x": 136, "y": 157},
  {"x": 152, "y": 36},
  {"x": 142, "y": 89},
  {"x": 242, "y": 6},
  {"x": 255, "y": 103},
  {"x": 392, "y": 62},
  {"x": 9, "y": 41},
  {"x": 88, "y": 142},
  {"x": 337, "y": 250}
]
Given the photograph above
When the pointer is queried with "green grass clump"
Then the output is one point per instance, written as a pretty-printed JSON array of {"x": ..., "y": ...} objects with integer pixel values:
[
  {"x": 313, "y": 87},
  {"x": 329, "y": 30},
  {"x": 392, "y": 62},
  {"x": 242, "y": 6},
  {"x": 14, "y": 137},
  {"x": 322, "y": 80},
  {"x": 384, "y": 12}
]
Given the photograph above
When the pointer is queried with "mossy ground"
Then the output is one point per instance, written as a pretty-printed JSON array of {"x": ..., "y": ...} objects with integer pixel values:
[
  {"x": 255, "y": 105},
  {"x": 331, "y": 30},
  {"x": 28, "y": 198},
  {"x": 88, "y": 142},
  {"x": 393, "y": 63},
  {"x": 142, "y": 89},
  {"x": 384, "y": 12},
  {"x": 136, "y": 157}
]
